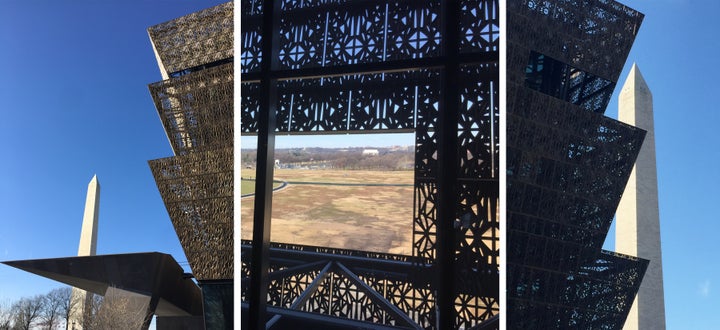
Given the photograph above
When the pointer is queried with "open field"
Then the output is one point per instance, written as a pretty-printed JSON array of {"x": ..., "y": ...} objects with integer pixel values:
[{"x": 372, "y": 218}]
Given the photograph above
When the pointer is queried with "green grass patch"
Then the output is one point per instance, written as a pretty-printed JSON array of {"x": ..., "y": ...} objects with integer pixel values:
[{"x": 248, "y": 186}]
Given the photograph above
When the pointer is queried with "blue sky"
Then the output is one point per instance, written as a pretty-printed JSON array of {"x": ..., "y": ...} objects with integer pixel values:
[{"x": 74, "y": 102}]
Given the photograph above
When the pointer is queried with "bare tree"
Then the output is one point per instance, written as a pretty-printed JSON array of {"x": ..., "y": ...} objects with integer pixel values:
[
  {"x": 91, "y": 310},
  {"x": 117, "y": 310},
  {"x": 67, "y": 304},
  {"x": 27, "y": 311},
  {"x": 5, "y": 317},
  {"x": 54, "y": 308}
]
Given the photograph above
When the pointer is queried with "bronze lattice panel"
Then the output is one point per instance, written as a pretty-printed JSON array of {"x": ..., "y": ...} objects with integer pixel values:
[
  {"x": 194, "y": 40},
  {"x": 197, "y": 109},
  {"x": 197, "y": 191}
]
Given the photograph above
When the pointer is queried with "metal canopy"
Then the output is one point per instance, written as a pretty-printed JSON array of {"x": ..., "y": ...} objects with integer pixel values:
[{"x": 155, "y": 275}]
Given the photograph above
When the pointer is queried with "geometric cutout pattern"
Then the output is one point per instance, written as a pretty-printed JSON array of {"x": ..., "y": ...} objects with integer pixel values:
[
  {"x": 367, "y": 288},
  {"x": 327, "y": 33},
  {"x": 479, "y": 26},
  {"x": 197, "y": 191},
  {"x": 202, "y": 37},
  {"x": 196, "y": 109}
]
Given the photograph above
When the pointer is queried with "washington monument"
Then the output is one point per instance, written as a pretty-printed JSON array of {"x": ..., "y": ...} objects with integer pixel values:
[
  {"x": 87, "y": 247},
  {"x": 638, "y": 220}
]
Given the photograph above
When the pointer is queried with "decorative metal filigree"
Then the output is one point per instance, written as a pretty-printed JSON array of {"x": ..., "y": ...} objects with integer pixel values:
[
  {"x": 479, "y": 26},
  {"x": 327, "y": 33},
  {"x": 197, "y": 191},
  {"x": 368, "y": 289},
  {"x": 597, "y": 296},
  {"x": 197, "y": 39},
  {"x": 250, "y": 54},
  {"x": 557, "y": 79},
  {"x": 196, "y": 109}
]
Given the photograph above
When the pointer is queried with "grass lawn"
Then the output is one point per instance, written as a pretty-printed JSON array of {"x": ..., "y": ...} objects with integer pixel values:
[
  {"x": 248, "y": 186},
  {"x": 370, "y": 218}
]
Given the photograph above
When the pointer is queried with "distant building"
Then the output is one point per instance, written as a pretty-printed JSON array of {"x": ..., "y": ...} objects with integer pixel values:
[{"x": 370, "y": 152}]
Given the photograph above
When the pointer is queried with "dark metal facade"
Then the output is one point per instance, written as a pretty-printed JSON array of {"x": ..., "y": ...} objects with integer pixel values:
[
  {"x": 195, "y": 105},
  {"x": 567, "y": 164},
  {"x": 428, "y": 67}
]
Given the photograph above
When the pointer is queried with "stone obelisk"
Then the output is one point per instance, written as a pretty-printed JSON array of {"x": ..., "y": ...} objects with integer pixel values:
[
  {"x": 88, "y": 247},
  {"x": 638, "y": 220}
]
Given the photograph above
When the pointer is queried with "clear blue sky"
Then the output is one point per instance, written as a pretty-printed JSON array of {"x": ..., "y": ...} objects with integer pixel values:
[
  {"x": 74, "y": 102},
  {"x": 677, "y": 51}
]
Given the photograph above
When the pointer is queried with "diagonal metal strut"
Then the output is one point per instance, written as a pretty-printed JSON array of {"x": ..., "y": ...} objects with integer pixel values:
[
  {"x": 376, "y": 297},
  {"x": 305, "y": 295}
]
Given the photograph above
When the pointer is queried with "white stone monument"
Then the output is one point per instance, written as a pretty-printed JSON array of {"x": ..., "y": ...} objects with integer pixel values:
[
  {"x": 638, "y": 220},
  {"x": 88, "y": 247}
]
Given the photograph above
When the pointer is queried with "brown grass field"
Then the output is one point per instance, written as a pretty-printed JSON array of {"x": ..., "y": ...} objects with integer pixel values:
[{"x": 370, "y": 218}]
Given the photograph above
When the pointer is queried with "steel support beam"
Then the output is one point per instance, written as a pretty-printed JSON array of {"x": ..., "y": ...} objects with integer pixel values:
[
  {"x": 288, "y": 271},
  {"x": 257, "y": 296},
  {"x": 325, "y": 319},
  {"x": 370, "y": 68},
  {"x": 447, "y": 153}
]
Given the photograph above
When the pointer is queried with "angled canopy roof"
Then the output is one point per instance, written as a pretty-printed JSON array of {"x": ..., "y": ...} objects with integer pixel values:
[{"x": 153, "y": 274}]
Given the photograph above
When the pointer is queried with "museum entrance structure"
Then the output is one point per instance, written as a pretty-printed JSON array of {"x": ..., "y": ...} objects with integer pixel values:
[{"x": 339, "y": 67}]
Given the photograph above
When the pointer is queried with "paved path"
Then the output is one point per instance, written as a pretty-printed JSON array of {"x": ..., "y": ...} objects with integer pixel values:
[{"x": 283, "y": 185}]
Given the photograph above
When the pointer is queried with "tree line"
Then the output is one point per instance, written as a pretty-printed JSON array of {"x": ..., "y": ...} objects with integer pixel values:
[
  {"x": 345, "y": 159},
  {"x": 53, "y": 311}
]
